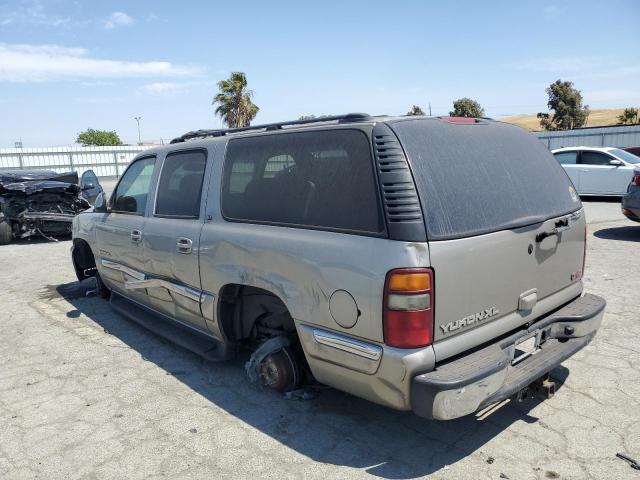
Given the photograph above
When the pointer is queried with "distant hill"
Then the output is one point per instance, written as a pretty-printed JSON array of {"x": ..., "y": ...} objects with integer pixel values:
[{"x": 597, "y": 118}]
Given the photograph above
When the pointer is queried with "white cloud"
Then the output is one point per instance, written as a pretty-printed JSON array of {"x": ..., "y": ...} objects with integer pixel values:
[
  {"x": 31, "y": 12},
  {"x": 37, "y": 63},
  {"x": 171, "y": 88},
  {"x": 118, "y": 19}
]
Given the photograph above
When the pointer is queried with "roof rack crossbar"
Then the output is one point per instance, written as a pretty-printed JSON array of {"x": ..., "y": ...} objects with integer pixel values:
[{"x": 350, "y": 117}]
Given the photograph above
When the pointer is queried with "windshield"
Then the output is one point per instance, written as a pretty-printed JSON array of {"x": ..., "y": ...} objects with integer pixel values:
[{"x": 624, "y": 155}]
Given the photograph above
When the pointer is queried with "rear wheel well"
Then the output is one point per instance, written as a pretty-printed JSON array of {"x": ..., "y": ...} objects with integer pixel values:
[
  {"x": 248, "y": 313},
  {"x": 83, "y": 260}
]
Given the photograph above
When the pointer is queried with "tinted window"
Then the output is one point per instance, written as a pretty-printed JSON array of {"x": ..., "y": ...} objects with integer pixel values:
[
  {"x": 317, "y": 179},
  {"x": 484, "y": 177},
  {"x": 566, "y": 158},
  {"x": 594, "y": 158},
  {"x": 133, "y": 189},
  {"x": 180, "y": 186},
  {"x": 89, "y": 177}
]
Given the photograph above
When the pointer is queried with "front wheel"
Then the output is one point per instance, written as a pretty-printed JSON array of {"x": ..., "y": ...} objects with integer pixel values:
[
  {"x": 6, "y": 234},
  {"x": 101, "y": 289}
]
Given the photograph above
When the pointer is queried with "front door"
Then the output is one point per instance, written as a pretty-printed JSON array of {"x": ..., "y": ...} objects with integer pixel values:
[
  {"x": 120, "y": 233},
  {"x": 598, "y": 176},
  {"x": 172, "y": 237}
]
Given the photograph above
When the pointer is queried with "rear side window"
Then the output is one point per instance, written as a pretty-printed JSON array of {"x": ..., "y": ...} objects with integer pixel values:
[
  {"x": 180, "y": 186},
  {"x": 566, "y": 158},
  {"x": 484, "y": 177},
  {"x": 320, "y": 179}
]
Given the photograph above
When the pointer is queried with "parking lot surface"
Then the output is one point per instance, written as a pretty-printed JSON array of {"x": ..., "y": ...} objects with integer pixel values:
[{"x": 85, "y": 393}]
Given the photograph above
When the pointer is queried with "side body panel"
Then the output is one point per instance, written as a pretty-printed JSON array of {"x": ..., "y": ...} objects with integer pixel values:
[
  {"x": 605, "y": 179},
  {"x": 304, "y": 268}
]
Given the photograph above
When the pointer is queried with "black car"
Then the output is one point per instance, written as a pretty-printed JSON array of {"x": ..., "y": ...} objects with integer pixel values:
[
  {"x": 39, "y": 203},
  {"x": 631, "y": 200}
]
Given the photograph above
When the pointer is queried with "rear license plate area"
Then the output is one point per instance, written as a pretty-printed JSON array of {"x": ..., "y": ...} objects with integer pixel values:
[{"x": 525, "y": 347}]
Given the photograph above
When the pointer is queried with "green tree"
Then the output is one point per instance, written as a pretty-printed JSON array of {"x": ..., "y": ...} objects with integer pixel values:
[
  {"x": 234, "y": 101},
  {"x": 100, "y": 138},
  {"x": 630, "y": 115},
  {"x": 415, "y": 110},
  {"x": 467, "y": 107},
  {"x": 565, "y": 101}
]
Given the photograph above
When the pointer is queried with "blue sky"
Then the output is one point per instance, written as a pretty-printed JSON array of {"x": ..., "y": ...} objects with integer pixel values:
[{"x": 69, "y": 65}]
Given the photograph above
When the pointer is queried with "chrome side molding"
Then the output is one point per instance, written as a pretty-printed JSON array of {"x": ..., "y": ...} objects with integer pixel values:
[
  {"x": 122, "y": 268},
  {"x": 190, "y": 293},
  {"x": 349, "y": 345},
  {"x": 142, "y": 281}
]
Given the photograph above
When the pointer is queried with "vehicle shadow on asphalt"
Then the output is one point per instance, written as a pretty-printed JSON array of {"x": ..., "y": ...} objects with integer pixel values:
[
  {"x": 334, "y": 427},
  {"x": 629, "y": 233}
]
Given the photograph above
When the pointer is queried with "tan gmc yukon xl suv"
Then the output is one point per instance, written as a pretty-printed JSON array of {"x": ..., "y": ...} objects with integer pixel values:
[{"x": 426, "y": 264}]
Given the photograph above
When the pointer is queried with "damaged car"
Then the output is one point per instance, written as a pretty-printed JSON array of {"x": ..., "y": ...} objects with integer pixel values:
[{"x": 38, "y": 203}]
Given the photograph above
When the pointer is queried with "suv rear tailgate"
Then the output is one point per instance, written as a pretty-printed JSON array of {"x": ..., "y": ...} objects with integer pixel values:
[{"x": 505, "y": 227}]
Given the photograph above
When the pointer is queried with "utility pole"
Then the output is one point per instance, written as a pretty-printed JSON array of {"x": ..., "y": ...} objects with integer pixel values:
[
  {"x": 137, "y": 119},
  {"x": 429, "y": 108}
]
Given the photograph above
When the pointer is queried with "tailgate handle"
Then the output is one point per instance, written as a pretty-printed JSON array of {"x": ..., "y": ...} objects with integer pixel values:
[{"x": 561, "y": 226}]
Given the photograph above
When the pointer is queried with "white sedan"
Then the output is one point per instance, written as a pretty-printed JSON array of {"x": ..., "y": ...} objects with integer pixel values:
[{"x": 598, "y": 170}]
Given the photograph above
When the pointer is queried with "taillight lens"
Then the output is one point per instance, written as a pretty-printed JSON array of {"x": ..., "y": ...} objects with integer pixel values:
[
  {"x": 636, "y": 180},
  {"x": 584, "y": 253},
  {"x": 408, "y": 307}
]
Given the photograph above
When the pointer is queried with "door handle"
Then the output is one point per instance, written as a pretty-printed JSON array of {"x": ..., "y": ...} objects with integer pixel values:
[
  {"x": 136, "y": 236},
  {"x": 184, "y": 245},
  {"x": 584, "y": 169}
]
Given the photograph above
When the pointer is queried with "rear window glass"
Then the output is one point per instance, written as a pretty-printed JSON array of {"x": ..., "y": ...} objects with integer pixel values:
[
  {"x": 320, "y": 179},
  {"x": 480, "y": 178},
  {"x": 180, "y": 186}
]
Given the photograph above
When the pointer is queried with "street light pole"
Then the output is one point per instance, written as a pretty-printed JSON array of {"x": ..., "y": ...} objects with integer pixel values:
[{"x": 137, "y": 119}]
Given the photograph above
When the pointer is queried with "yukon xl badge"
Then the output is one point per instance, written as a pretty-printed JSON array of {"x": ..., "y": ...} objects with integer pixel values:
[{"x": 469, "y": 320}]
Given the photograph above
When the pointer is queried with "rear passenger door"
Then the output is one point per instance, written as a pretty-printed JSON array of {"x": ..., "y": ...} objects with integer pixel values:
[
  {"x": 172, "y": 237},
  {"x": 569, "y": 161}
]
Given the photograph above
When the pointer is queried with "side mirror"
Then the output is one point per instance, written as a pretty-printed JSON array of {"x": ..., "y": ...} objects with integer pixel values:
[
  {"x": 615, "y": 162},
  {"x": 88, "y": 186},
  {"x": 100, "y": 205}
]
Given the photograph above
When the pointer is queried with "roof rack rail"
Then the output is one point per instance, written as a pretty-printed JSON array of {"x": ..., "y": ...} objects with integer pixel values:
[{"x": 349, "y": 117}]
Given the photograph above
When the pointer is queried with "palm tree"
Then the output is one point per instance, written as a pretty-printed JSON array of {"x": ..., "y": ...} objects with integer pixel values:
[{"x": 234, "y": 101}]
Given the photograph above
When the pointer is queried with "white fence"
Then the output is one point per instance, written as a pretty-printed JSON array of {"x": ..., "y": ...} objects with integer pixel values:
[{"x": 104, "y": 161}]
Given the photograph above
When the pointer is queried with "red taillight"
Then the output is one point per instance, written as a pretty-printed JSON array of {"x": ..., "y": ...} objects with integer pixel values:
[
  {"x": 408, "y": 307},
  {"x": 584, "y": 253},
  {"x": 636, "y": 180},
  {"x": 466, "y": 120}
]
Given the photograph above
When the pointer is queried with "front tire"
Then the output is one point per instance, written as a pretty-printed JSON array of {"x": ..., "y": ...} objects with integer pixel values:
[
  {"x": 101, "y": 289},
  {"x": 6, "y": 234}
]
